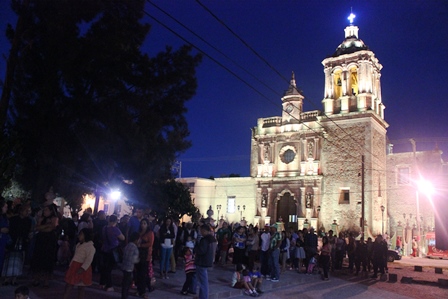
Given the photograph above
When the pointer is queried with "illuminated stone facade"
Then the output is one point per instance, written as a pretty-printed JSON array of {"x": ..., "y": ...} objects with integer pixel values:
[{"x": 306, "y": 166}]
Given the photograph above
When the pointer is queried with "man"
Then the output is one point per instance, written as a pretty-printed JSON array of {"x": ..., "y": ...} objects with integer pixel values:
[
  {"x": 265, "y": 240},
  {"x": 276, "y": 240},
  {"x": 205, "y": 251},
  {"x": 310, "y": 246},
  {"x": 188, "y": 234},
  {"x": 220, "y": 236},
  {"x": 361, "y": 256},
  {"x": 134, "y": 222},
  {"x": 98, "y": 224},
  {"x": 379, "y": 256},
  {"x": 332, "y": 242}
]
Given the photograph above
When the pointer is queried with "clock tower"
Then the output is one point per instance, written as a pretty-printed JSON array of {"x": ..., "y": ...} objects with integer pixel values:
[{"x": 292, "y": 103}]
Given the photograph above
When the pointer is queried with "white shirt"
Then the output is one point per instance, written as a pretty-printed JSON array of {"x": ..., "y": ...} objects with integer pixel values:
[{"x": 265, "y": 241}]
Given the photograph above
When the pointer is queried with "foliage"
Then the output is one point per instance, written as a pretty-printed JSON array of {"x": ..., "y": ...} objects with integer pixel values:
[
  {"x": 174, "y": 200},
  {"x": 91, "y": 109}
]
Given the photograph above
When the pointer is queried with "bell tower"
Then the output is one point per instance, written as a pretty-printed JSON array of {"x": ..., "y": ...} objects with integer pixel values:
[
  {"x": 292, "y": 103},
  {"x": 352, "y": 77}
]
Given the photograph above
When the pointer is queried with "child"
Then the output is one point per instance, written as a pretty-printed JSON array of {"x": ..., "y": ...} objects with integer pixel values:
[
  {"x": 80, "y": 271},
  {"x": 63, "y": 250},
  {"x": 130, "y": 258},
  {"x": 22, "y": 292},
  {"x": 237, "y": 281},
  {"x": 250, "y": 290},
  {"x": 225, "y": 243},
  {"x": 312, "y": 264},
  {"x": 190, "y": 272},
  {"x": 256, "y": 279},
  {"x": 190, "y": 243}
]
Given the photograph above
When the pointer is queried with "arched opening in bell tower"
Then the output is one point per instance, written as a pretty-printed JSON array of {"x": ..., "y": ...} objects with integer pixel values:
[
  {"x": 337, "y": 84},
  {"x": 354, "y": 81}
]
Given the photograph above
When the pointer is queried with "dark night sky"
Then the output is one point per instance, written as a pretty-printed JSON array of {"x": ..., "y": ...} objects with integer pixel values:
[{"x": 410, "y": 39}]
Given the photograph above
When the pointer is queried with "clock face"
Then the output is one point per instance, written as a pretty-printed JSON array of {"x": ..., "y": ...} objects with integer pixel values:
[{"x": 289, "y": 108}]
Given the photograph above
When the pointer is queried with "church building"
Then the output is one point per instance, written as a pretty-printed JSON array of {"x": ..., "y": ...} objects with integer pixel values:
[{"x": 323, "y": 169}]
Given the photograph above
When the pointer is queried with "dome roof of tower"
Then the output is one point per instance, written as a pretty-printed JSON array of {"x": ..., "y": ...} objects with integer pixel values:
[
  {"x": 351, "y": 44},
  {"x": 292, "y": 89}
]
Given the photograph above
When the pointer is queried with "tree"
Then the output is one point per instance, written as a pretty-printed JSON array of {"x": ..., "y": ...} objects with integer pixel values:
[
  {"x": 174, "y": 200},
  {"x": 91, "y": 108}
]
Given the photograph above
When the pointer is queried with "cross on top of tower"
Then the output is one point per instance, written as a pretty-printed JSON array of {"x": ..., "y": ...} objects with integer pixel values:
[{"x": 351, "y": 17}]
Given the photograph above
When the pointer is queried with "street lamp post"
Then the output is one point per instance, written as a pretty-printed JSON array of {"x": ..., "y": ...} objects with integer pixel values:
[
  {"x": 318, "y": 227},
  {"x": 382, "y": 219}
]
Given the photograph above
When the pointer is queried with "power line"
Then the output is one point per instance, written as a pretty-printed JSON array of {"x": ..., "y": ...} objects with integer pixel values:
[
  {"x": 278, "y": 73},
  {"x": 249, "y": 85}
]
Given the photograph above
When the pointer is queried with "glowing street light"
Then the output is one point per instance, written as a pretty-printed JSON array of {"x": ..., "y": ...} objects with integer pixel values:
[
  {"x": 114, "y": 195},
  {"x": 426, "y": 187}
]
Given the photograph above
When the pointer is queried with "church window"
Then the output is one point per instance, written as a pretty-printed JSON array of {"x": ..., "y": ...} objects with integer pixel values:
[
  {"x": 231, "y": 204},
  {"x": 288, "y": 156},
  {"x": 106, "y": 208},
  {"x": 403, "y": 176},
  {"x": 344, "y": 197}
]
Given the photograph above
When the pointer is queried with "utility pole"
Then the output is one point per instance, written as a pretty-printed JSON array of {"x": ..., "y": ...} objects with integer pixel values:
[{"x": 362, "y": 197}]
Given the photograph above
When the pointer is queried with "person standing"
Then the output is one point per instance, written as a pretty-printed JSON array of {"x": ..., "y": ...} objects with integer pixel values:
[
  {"x": 98, "y": 224},
  {"x": 276, "y": 240},
  {"x": 325, "y": 257},
  {"x": 111, "y": 236},
  {"x": 361, "y": 256},
  {"x": 20, "y": 228},
  {"x": 379, "y": 256},
  {"x": 265, "y": 240},
  {"x": 399, "y": 244},
  {"x": 42, "y": 263},
  {"x": 239, "y": 245},
  {"x": 130, "y": 258},
  {"x": 220, "y": 237},
  {"x": 4, "y": 231},
  {"x": 254, "y": 247},
  {"x": 79, "y": 272},
  {"x": 166, "y": 236},
  {"x": 143, "y": 268},
  {"x": 205, "y": 251},
  {"x": 310, "y": 245}
]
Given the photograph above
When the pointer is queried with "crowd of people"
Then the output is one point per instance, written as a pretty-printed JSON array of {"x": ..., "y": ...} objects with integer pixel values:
[{"x": 141, "y": 243}]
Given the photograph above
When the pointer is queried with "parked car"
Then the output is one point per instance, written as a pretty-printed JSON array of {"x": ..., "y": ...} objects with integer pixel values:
[{"x": 393, "y": 255}]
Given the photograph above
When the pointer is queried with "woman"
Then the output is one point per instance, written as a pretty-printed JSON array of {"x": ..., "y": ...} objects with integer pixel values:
[
  {"x": 144, "y": 272},
  {"x": 80, "y": 271},
  {"x": 44, "y": 256},
  {"x": 111, "y": 235},
  {"x": 5, "y": 239},
  {"x": 253, "y": 243},
  {"x": 284, "y": 250},
  {"x": 20, "y": 229},
  {"x": 300, "y": 251},
  {"x": 239, "y": 245},
  {"x": 85, "y": 222},
  {"x": 325, "y": 257},
  {"x": 166, "y": 238}
]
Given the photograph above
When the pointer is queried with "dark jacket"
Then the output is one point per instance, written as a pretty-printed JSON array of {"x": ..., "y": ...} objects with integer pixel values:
[{"x": 205, "y": 251}]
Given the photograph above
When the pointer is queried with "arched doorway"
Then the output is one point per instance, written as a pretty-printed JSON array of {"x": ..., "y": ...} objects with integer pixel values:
[{"x": 287, "y": 207}]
